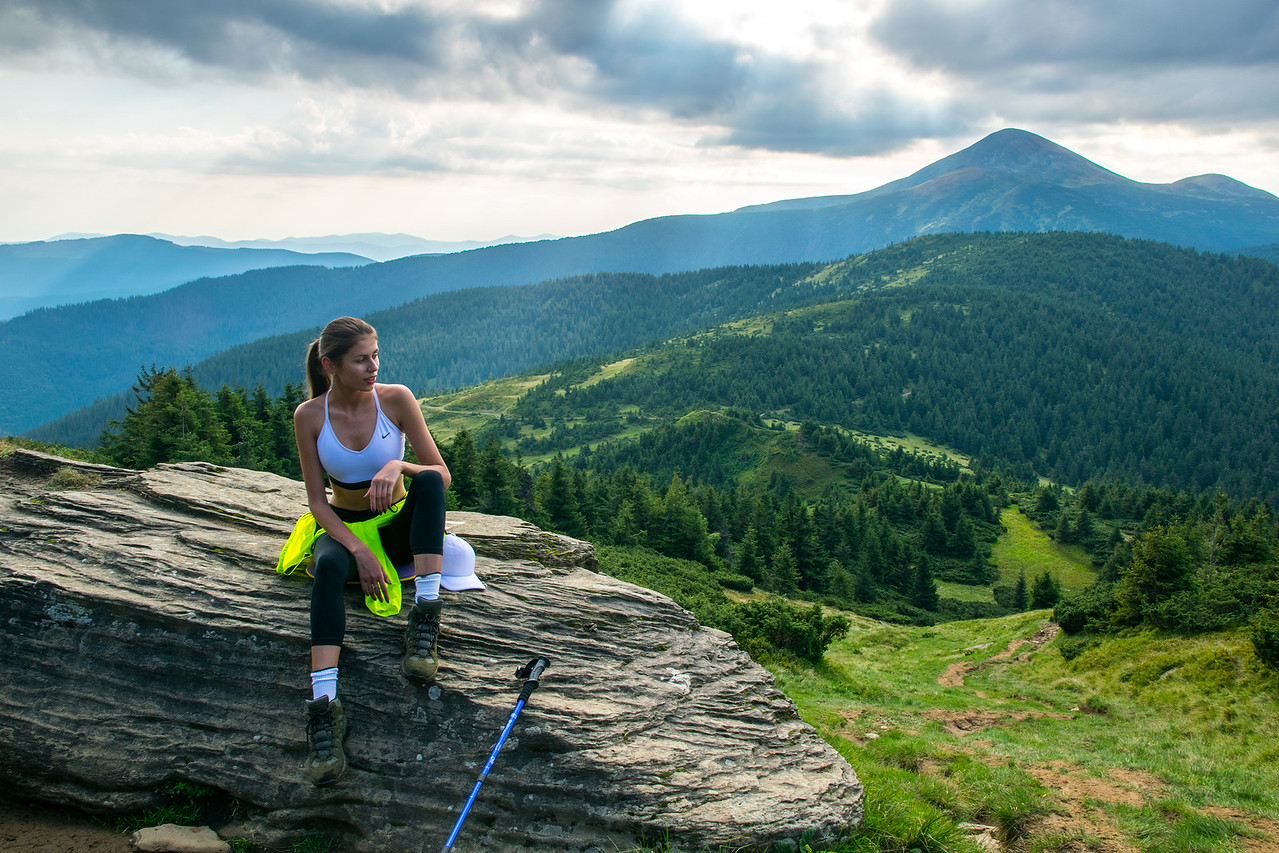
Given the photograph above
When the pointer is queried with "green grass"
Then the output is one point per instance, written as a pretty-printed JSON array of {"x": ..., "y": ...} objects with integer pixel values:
[
  {"x": 1143, "y": 736},
  {"x": 965, "y": 592},
  {"x": 1188, "y": 718},
  {"x": 474, "y": 409},
  {"x": 8, "y": 444},
  {"x": 912, "y": 443},
  {"x": 1026, "y": 547}
]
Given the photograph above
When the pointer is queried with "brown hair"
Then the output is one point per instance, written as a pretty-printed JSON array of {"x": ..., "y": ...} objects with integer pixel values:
[{"x": 335, "y": 339}]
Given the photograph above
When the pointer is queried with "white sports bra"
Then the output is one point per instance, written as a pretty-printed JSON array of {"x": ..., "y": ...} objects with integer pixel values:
[{"x": 354, "y": 469}]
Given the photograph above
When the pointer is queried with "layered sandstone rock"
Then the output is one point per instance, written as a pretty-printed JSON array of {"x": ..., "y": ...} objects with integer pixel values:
[{"x": 146, "y": 639}]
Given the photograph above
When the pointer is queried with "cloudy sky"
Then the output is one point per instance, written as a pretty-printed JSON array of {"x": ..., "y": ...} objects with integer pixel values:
[{"x": 475, "y": 119}]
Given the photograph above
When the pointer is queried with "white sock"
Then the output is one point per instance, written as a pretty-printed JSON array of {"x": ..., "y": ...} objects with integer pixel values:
[
  {"x": 428, "y": 587},
  {"x": 324, "y": 682}
]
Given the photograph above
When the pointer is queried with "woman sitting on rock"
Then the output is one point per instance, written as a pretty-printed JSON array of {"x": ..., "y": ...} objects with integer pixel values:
[{"x": 352, "y": 429}]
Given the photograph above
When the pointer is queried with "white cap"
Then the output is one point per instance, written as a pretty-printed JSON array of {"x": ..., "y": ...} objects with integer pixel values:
[{"x": 458, "y": 570}]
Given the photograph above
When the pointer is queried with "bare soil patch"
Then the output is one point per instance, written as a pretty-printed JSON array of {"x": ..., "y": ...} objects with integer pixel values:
[
  {"x": 961, "y": 723},
  {"x": 26, "y": 828}
]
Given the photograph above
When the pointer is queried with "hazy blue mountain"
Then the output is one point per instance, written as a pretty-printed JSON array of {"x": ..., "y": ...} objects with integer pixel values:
[
  {"x": 1010, "y": 181},
  {"x": 1269, "y": 252},
  {"x": 63, "y": 272},
  {"x": 379, "y": 247}
]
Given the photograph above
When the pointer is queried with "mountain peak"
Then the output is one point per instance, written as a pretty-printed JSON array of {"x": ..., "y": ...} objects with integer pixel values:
[
  {"x": 1219, "y": 186},
  {"x": 1018, "y": 152}
]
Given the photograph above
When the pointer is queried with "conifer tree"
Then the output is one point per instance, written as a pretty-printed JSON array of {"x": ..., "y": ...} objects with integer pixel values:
[
  {"x": 496, "y": 479},
  {"x": 1045, "y": 591},
  {"x": 748, "y": 560},
  {"x": 923, "y": 592},
  {"x": 557, "y": 499},
  {"x": 464, "y": 466},
  {"x": 784, "y": 573},
  {"x": 1019, "y": 592},
  {"x": 843, "y": 586}
]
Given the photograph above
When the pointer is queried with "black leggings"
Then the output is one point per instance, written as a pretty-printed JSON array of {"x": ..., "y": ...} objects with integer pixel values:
[{"x": 418, "y": 528}]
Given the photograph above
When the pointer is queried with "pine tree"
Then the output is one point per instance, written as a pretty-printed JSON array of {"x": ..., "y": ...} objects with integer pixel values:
[
  {"x": 933, "y": 532},
  {"x": 843, "y": 586},
  {"x": 1044, "y": 592},
  {"x": 464, "y": 465},
  {"x": 174, "y": 421},
  {"x": 557, "y": 500},
  {"x": 748, "y": 559},
  {"x": 923, "y": 592},
  {"x": 496, "y": 475},
  {"x": 783, "y": 575}
]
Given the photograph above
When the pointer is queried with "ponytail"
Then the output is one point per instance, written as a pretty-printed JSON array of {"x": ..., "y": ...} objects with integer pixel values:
[
  {"x": 337, "y": 337},
  {"x": 317, "y": 381}
]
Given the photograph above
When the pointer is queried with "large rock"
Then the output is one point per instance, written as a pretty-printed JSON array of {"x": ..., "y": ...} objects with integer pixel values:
[{"x": 146, "y": 640}]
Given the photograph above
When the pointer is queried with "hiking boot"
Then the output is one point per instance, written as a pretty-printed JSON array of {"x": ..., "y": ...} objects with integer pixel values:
[
  {"x": 421, "y": 647},
  {"x": 325, "y": 728}
]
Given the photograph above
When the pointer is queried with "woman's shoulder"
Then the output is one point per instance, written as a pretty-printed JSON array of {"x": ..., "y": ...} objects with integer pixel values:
[
  {"x": 395, "y": 394},
  {"x": 398, "y": 402},
  {"x": 309, "y": 410}
]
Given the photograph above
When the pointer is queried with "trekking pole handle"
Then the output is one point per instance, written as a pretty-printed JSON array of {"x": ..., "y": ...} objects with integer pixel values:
[{"x": 531, "y": 672}]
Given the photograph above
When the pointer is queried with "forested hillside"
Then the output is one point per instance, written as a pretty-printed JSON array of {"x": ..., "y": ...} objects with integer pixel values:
[
  {"x": 1064, "y": 356},
  {"x": 465, "y": 337},
  {"x": 1140, "y": 373},
  {"x": 1069, "y": 356}
]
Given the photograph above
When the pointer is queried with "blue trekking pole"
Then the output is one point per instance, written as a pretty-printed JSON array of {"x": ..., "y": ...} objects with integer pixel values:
[{"x": 531, "y": 672}]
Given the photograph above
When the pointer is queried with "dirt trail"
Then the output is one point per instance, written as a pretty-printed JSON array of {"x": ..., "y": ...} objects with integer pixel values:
[{"x": 955, "y": 673}]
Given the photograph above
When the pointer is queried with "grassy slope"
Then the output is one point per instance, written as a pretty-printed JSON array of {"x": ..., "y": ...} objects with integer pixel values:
[
  {"x": 1026, "y": 547},
  {"x": 1144, "y": 742}
]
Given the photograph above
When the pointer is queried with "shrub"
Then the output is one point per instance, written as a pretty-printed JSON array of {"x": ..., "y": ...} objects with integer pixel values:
[
  {"x": 953, "y": 610},
  {"x": 1073, "y": 647},
  {"x": 785, "y": 627},
  {"x": 1006, "y": 596},
  {"x": 1265, "y": 637},
  {"x": 741, "y": 583},
  {"x": 1087, "y": 610},
  {"x": 1095, "y": 705},
  {"x": 760, "y": 627}
]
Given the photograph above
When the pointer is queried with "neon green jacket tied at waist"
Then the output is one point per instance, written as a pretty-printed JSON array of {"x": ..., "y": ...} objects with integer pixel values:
[{"x": 297, "y": 554}]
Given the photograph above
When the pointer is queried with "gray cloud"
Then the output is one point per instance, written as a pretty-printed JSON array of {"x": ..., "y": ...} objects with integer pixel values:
[
  {"x": 1136, "y": 33},
  {"x": 1139, "y": 59},
  {"x": 997, "y": 60},
  {"x": 579, "y": 54},
  {"x": 314, "y": 40}
]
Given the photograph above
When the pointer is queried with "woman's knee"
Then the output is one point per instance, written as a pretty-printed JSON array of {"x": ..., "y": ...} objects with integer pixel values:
[
  {"x": 331, "y": 567},
  {"x": 428, "y": 481}
]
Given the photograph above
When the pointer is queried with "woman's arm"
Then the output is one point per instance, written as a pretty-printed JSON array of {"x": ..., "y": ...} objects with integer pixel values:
[
  {"x": 307, "y": 422},
  {"x": 401, "y": 407}
]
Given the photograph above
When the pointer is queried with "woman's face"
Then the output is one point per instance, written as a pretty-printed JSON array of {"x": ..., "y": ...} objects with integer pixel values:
[{"x": 358, "y": 370}]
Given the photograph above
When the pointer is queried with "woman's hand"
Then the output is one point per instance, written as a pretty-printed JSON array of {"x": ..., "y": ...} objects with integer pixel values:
[
  {"x": 384, "y": 486},
  {"x": 372, "y": 575}
]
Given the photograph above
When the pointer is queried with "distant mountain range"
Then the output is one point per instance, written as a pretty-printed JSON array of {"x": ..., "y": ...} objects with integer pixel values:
[
  {"x": 378, "y": 247},
  {"x": 1010, "y": 181},
  {"x": 64, "y": 272}
]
